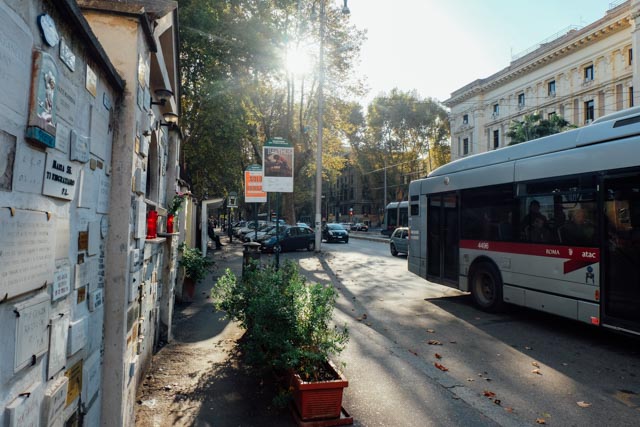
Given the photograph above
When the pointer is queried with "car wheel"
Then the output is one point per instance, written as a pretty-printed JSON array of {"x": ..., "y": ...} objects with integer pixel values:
[
  {"x": 311, "y": 246},
  {"x": 277, "y": 248},
  {"x": 346, "y": 240},
  {"x": 486, "y": 287},
  {"x": 393, "y": 249}
]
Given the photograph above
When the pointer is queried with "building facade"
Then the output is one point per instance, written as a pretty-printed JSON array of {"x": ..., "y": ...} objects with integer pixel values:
[
  {"x": 88, "y": 165},
  {"x": 581, "y": 74}
]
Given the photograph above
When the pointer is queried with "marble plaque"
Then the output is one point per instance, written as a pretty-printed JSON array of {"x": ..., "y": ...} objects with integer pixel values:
[
  {"x": 62, "y": 239},
  {"x": 58, "y": 344},
  {"x": 54, "y": 400},
  {"x": 86, "y": 273},
  {"x": 32, "y": 330},
  {"x": 91, "y": 377},
  {"x": 67, "y": 56},
  {"x": 61, "y": 282},
  {"x": 94, "y": 238},
  {"x": 88, "y": 194},
  {"x": 24, "y": 410},
  {"x": 139, "y": 181},
  {"x": 15, "y": 60},
  {"x": 7, "y": 159},
  {"x": 96, "y": 299},
  {"x": 100, "y": 133},
  {"x": 60, "y": 177},
  {"x": 26, "y": 255},
  {"x": 28, "y": 170},
  {"x": 75, "y": 383},
  {"x": 103, "y": 195},
  {"x": 91, "y": 83},
  {"x": 63, "y": 138},
  {"x": 96, "y": 326},
  {"x": 141, "y": 223},
  {"x": 134, "y": 284},
  {"x": 77, "y": 336},
  {"x": 41, "y": 128},
  {"x": 66, "y": 106},
  {"x": 135, "y": 260},
  {"x": 79, "y": 147}
]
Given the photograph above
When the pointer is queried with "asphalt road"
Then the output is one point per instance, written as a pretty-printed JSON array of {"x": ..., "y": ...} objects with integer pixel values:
[{"x": 515, "y": 368}]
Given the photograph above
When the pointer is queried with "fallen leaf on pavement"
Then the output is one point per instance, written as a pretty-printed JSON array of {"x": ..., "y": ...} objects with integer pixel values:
[
  {"x": 536, "y": 371},
  {"x": 438, "y": 356},
  {"x": 526, "y": 347},
  {"x": 470, "y": 379},
  {"x": 509, "y": 409},
  {"x": 359, "y": 319},
  {"x": 497, "y": 401},
  {"x": 364, "y": 315},
  {"x": 431, "y": 331},
  {"x": 583, "y": 404},
  {"x": 413, "y": 352},
  {"x": 540, "y": 421},
  {"x": 453, "y": 342},
  {"x": 535, "y": 364},
  {"x": 441, "y": 367},
  {"x": 488, "y": 393},
  {"x": 434, "y": 342}
]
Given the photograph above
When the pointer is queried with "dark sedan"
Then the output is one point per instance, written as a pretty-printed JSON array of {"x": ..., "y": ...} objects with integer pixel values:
[
  {"x": 291, "y": 239},
  {"x": 335, "y": 233}
]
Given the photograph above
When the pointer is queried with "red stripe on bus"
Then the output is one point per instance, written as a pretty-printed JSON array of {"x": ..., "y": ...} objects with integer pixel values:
[{"x": 577, "y": 257}]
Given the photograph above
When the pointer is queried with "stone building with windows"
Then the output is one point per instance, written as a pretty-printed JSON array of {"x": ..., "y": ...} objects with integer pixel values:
[
  {"x": 580, "y": 74},
  {"x": 88, "y": 166}
]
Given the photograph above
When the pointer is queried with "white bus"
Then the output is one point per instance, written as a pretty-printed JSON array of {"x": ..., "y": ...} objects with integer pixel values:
[
  {"x": 396, "y": 214},
  {"x": 551, "y": 224}
]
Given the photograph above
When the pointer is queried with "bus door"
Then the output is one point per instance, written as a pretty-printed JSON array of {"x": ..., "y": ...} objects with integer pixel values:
[
  {"x": 442, "y": 237},
  {"x": 621, "y": 252}
]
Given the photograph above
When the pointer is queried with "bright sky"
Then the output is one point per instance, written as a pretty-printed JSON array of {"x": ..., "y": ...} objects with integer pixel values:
[{"x": 436, "y": 47}]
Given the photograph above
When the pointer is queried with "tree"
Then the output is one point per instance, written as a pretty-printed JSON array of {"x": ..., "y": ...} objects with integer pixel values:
[
  {"x": 237, "y": 93},
  {"x": 533, "y": 126},
  {"x": 407, "y": 136}
]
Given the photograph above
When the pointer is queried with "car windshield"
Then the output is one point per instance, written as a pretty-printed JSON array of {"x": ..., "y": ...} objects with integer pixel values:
[{"x": 335, "y": 227}]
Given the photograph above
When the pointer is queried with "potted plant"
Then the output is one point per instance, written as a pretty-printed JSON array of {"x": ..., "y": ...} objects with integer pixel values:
[
  {"x": 195, "y": 265},
  {"x": 289, "y": 331}
]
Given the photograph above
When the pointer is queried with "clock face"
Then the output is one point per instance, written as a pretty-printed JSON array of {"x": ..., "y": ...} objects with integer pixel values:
[{"x": 49, "y": 31}]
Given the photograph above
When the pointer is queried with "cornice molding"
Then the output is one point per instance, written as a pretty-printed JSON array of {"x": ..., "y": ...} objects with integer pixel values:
[{"x": 553, "y": 51}]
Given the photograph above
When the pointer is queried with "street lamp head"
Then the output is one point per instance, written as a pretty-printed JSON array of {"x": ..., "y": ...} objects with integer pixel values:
[{"x": 345, "y": 8}]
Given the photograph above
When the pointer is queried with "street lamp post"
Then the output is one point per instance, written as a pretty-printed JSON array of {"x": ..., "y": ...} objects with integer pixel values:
[{"x": 318, "y": 222}]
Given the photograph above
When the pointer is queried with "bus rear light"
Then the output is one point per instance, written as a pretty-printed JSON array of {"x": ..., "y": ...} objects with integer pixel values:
[
  {"x": 595, "y": 321},
  {"x": 597, "y": 295}
]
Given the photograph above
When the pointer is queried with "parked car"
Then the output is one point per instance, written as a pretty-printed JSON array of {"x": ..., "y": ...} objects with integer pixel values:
[
  {"x": 399, "y": 241},
  {"x": 335, "y": 232},
  {"x": 359, "y": 227},
  {"x": 291, "y": 239}
]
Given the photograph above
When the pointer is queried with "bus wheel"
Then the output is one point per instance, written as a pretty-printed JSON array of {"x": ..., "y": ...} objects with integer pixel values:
[{"x": 486, "y": 287}]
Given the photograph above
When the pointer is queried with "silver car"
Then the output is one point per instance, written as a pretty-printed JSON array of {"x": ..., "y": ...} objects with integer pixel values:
[{"x": 399, "y": 241}]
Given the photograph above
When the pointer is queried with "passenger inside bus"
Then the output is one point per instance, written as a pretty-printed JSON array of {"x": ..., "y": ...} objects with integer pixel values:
[
  {"x": 579, "y": 230},
  {"x": 538, "y": 232}
]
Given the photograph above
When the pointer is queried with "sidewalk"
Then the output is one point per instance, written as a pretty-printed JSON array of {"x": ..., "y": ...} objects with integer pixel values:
[{"x": 198, "y": 379}]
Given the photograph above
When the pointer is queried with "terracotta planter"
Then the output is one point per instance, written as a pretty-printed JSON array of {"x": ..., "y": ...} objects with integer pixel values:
[{"x": 319, "y": 400}]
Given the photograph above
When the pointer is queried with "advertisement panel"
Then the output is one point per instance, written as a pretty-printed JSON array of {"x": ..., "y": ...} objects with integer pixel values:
[
  {"x": 253, "y": 192},
  {"x": 277, "y": 166}
]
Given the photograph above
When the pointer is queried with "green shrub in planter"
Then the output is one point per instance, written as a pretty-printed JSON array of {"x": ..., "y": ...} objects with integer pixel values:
[
  {"x": 196, "y": 266},
  {"x": 287, "y": 321}
]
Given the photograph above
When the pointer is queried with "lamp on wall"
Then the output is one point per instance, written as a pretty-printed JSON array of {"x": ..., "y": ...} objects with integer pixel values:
[
  {"x": 171, "y": 119},
  {"x": 162, "y": 95}
]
